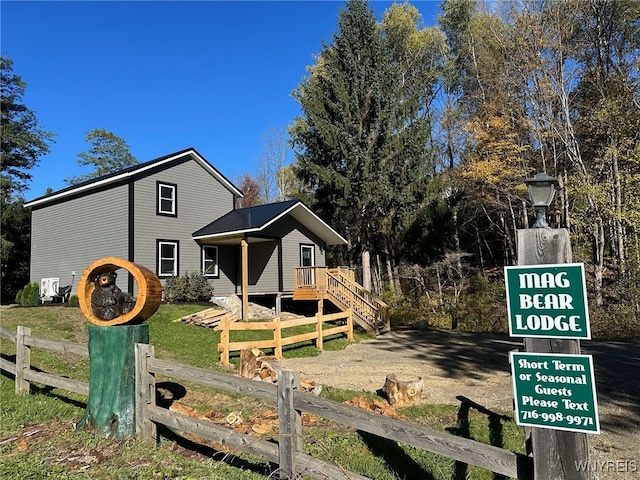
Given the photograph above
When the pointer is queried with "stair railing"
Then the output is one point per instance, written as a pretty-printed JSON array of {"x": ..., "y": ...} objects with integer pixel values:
[{"x": 348, "y": 294}]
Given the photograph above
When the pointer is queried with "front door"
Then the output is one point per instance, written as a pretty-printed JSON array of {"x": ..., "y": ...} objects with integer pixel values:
[{"x": 308, "y": 259}]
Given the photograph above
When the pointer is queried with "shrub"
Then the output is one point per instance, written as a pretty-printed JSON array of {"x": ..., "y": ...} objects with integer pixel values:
[
  {"x": 483, "y": 308},
  {"x": 29, "y": 296},
  {"x": 191, "y": 287},
  {"x": 73, "y": 301},
  {"x": 619, "y": 318}
]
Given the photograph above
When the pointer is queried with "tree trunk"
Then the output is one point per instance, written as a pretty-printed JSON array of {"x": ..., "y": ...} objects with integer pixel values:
[
  {"x": 376, "y": 275},
  {"x": 397, "y": 281},
  {"x": 392, "y": 278},
  {"x": 111, "y": 406},
  {"x": 566, "y": 211},
  {"x": 598, "y": 259},
  {"x": 366, "y": 270},
  {"x": 619, "y": 229},
  {"x": 456, "y": 240}
]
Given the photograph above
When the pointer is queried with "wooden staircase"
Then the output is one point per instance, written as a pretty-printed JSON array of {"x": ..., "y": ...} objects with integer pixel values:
[{"x": 339, "y": 287}]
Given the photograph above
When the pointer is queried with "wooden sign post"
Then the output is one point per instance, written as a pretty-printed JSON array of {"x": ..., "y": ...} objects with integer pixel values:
[
  {"x": 556, "y": 453},
  {"x": 115, "y": 327}
]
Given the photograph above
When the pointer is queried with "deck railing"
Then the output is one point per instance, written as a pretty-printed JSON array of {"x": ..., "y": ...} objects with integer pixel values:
[{"x": 311, "y": 278}]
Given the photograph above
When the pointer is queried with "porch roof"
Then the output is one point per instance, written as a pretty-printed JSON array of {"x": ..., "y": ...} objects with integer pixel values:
[{"x": 242, "y": 221}]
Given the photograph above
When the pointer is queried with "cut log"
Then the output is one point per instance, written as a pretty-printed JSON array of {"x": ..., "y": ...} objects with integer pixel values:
[
  {"x": 147, "y": 301},
  {"x": 269, "y": 367},
  {"x": 249, "y": 365},
  {"x": 402, "y": 392}
]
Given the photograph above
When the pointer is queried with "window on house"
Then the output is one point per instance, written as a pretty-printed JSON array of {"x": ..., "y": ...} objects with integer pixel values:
[
  {"x": 167, "y": 258},
  {"x": 307, "y": 256},
  {"x": 167, "y": 199},
  {"x": 210, "y": 260}
]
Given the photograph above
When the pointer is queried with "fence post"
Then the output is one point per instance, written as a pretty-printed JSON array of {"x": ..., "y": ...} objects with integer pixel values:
[
  {"x": 319, "y": 339},
  {"x": 224, "y": 341},
  {"x": 556, "y": 453},
  {"x": 350, "y": 325},
  {"x": 145, "y": 392},
  {"x": 23, "y": 361},
  {"x": 277, "y": 334},
  {"x": 289, "y": 424}
]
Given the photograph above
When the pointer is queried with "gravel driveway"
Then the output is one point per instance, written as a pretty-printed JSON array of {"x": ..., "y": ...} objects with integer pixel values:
[{"x": 476, "y": 366}]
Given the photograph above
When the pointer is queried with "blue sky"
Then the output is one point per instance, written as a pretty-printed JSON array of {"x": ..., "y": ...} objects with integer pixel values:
[{"x": 165, "y": 76}]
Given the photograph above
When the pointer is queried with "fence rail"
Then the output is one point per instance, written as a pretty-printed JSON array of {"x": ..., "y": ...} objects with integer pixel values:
[
  {"x": 226, "y": 346},
  {"x": 286, "y": 393},
  {"x": 22, "y": 370},
  {"x": 290, "y": 401}
]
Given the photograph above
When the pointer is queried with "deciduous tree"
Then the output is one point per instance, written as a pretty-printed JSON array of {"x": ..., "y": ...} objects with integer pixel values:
[
  {"x": 251, "y": 191},
  {"x": 274, "y": 156}
]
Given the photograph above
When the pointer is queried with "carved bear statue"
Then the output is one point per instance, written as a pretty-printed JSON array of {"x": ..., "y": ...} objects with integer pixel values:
[{"x": 107, "y": 300}]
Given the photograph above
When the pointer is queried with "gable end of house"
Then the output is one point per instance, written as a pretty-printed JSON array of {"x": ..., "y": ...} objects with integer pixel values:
[{"x": 133, "y": 172}]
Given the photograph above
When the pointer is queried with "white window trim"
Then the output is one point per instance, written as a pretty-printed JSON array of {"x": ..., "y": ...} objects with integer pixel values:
[
  {"x": 176, "y": 246},
  {"x": 173, "y": 189},
  {"x": 216, "y": 269},
  {"x": 313, "y": 254}
]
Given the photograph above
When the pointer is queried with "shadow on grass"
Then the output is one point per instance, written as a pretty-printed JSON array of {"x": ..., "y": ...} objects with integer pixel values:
[
  {"x": 193, "y": 448},
  {"x": 44, "y": 390},
  {"x": 402, "y": 465},
  {"x": 494, "y": 423}
]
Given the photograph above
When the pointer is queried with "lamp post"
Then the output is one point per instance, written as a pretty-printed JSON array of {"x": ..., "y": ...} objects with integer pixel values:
[
  {"x": 542, "y": 189},
  {"x": 555, "y": 452}
]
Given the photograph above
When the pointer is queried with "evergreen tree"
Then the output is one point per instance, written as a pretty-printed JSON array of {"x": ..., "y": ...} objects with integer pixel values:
[
  {"x": 22, "y": 140},
  {"x": 22, "y": 143},
  {"x": 361, "y": 144},
  {"x": 108, "y": 153}
]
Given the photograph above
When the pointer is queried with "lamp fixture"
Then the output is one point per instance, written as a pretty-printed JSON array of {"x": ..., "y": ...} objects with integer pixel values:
[{"x": 542, "y": 189}]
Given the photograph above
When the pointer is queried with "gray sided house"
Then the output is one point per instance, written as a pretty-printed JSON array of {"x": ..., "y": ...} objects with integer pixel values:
[{"x": 173, "y": 215}]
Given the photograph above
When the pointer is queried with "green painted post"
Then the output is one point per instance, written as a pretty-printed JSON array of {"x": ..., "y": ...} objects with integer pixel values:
[{"x": 111, "y": 406}]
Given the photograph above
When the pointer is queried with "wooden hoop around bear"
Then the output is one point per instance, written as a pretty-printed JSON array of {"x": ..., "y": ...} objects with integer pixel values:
[{"x": 149, "y": 291}]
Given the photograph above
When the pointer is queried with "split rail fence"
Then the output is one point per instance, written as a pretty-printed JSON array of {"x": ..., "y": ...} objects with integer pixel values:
[
  {"x": 276, "y": 326},
  {"x": 291, "y": 402}
]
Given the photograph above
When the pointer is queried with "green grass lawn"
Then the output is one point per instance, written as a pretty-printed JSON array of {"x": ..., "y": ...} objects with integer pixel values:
[{"x": 39, "y": 440}]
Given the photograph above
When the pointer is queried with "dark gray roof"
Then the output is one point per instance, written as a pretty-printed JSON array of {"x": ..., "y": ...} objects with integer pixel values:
[
  {"x": 132, "y": 170},
  {"x": 243, "y": 219}
]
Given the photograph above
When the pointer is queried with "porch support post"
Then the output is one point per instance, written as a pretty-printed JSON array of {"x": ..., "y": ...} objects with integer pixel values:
[{"x": 245, "y": 279}]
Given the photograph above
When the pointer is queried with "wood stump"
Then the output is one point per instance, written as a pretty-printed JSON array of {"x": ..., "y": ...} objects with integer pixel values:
[
  {"x": 249, "y": 365},
  {"x": 255, "y": 364},
  {"x": 402, "y": 392},
  {"x": 111, "y": 406}
]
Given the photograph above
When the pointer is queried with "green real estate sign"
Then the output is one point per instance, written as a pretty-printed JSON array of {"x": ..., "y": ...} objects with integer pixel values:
[
  {"x": 555, "y": 391},
  {"x": 547, "y": 301}
]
